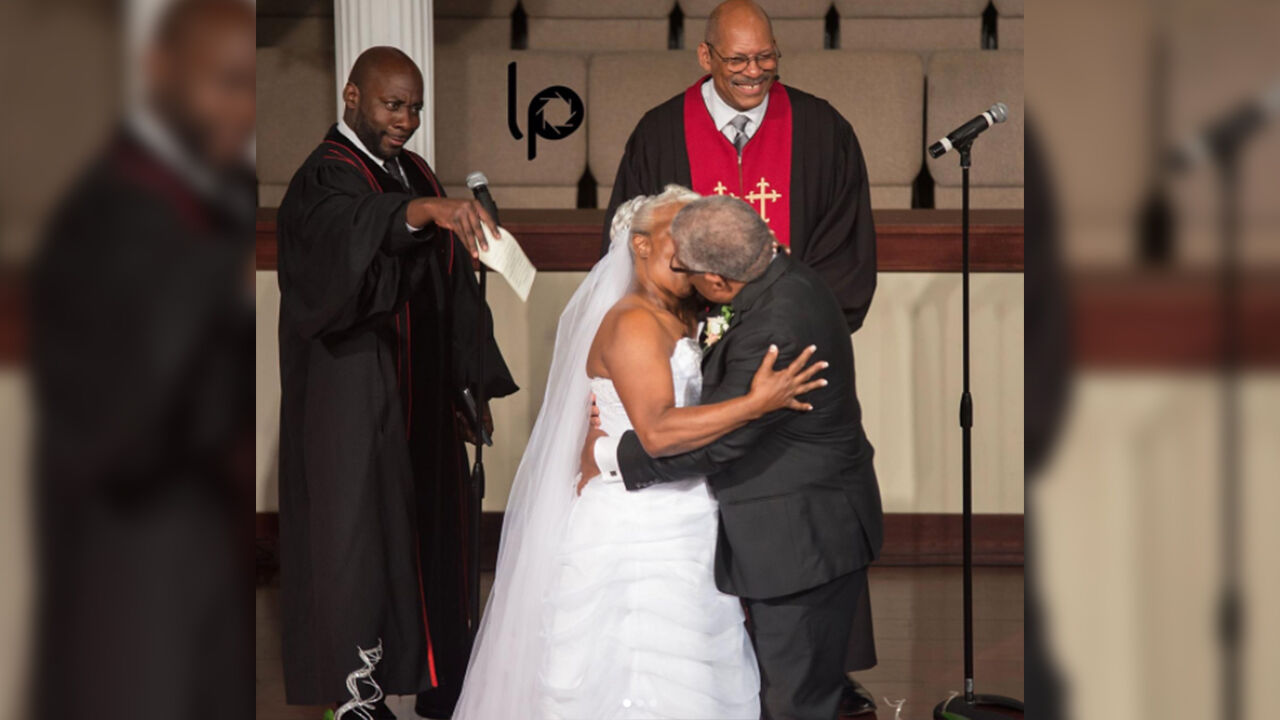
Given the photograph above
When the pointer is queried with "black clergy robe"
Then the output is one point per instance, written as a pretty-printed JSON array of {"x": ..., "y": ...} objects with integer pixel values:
[
  {"x": 142, "y": 376},
  {"x": 379, "y": 327},
  {"x": 831, "y": 225},
  {"x": 831, "y": 231}
]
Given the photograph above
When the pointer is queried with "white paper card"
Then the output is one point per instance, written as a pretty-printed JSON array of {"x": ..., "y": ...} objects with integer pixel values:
[{"x": 507, "y": 258}]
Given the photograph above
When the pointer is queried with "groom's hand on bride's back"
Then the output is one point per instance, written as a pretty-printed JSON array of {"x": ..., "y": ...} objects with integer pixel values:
[{"x": 587, "y": 466}]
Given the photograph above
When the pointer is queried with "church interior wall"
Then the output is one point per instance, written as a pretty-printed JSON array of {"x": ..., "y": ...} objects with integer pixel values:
[{"x": 877, "y": 75}]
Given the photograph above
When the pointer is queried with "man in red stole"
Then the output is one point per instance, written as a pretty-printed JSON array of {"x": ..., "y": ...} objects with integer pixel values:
[
  {"x": 380, "y": 317},
  {"x": 788, "y": 154},
  {"x": 792, "y": 157}
]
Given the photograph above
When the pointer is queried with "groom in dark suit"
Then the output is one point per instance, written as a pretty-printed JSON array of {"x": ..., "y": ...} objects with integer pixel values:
[{"x": 800, "y": 515}]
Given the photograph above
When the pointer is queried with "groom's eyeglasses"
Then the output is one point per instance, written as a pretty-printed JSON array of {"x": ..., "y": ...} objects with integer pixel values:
[
  {"x": 771, "y": 250},
  {"x": 691, "y": 271},
  {"x": 685, "y": 270}
]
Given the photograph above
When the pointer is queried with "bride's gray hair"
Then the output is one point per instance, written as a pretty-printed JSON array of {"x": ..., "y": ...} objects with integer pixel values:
[
  {"x": 670, "y": 195},
  {"x": 623, "y": 217}
]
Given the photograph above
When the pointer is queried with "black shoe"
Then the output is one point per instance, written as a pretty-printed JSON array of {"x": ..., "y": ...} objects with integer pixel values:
[
  {"x": 855, "y": 700},
  {"x": 436, "y": 704}
]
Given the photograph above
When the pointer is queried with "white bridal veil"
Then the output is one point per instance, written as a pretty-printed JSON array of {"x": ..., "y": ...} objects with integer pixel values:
[{"x": 501, "y": 678}]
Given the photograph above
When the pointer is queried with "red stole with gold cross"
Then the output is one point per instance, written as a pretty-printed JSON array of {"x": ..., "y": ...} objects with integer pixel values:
[{"x": 762, "y": 176}]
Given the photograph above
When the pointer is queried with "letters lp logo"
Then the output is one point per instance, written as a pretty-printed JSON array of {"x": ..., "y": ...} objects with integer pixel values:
[{"x": 554, "y": 113}]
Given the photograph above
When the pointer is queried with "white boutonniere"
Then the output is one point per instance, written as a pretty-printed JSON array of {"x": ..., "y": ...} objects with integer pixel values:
[{"x": 717, "y": 326}]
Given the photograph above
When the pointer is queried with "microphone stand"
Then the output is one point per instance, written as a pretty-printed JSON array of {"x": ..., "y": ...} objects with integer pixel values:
[
  {"x": 1231, "y": 616},
  {"x": 969, "y": 706},
  {"x": 477, "y": 470},
  {"x": 1224, "y": 145}
]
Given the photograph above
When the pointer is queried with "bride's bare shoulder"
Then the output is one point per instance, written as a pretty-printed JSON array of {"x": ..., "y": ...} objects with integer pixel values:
[
  {"x": 629, "y": 321},
  {"x": 631, "y": 325},
  {"x": 631, "y": 316}
]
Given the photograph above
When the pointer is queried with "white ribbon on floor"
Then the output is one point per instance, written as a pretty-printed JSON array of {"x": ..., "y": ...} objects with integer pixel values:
[{"x": 359, "y": 705}]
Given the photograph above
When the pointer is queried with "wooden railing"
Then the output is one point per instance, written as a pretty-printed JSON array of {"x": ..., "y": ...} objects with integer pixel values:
[
  {"x": 906, "y": 240},
  {"x": 1118, "y": 318}
]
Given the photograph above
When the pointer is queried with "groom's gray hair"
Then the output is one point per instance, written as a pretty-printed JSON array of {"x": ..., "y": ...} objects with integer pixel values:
[
  {"x": 723, "y": 235},
  {"x": 670, "y": 195}
]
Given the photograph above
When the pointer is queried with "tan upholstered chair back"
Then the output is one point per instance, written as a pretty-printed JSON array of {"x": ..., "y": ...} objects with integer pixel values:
[{"x": 961, "y": 85}]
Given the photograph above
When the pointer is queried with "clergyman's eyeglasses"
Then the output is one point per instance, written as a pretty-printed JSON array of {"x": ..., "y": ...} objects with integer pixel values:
[{"x": 738, "y": 63}]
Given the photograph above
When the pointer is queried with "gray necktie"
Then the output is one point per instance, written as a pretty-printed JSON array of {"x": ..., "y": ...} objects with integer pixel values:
[
  {"x": 739, "y": 123},
  {"x": 393, "y": 167}
]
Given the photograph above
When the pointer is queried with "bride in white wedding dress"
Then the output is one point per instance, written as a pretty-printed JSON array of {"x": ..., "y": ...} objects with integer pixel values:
[{"x": 604, "y": 606}]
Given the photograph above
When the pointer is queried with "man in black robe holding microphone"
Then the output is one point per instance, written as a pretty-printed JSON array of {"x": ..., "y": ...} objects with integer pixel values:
[{"x": 381, "y": 325}]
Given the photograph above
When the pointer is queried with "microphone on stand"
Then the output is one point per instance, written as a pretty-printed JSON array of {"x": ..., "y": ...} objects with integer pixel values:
[
  {"x": 970, "y": 705},
  {"x": 965, "y": 134},
  {"x": 1228, "y": 132},
  {"x": 479, "y": 185}
]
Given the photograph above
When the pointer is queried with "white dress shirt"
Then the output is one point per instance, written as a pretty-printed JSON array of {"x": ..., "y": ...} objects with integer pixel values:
[
  {"x": 157, "y": 138},
  {"x": 350, "y": 134},
  {"x": 606, "y": 455},
  {"x": 722, "y": 114}
]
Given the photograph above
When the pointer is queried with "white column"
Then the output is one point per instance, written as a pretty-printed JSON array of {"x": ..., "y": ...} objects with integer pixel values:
[
  {"x": 140, "y": 20},
  {"x": 405, "y": 24}
]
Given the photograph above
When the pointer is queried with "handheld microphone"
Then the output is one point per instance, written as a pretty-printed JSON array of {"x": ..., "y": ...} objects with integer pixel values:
[
  {"x": 965, "y": 134},
  {"x": 479, "y": 185},
  {"x": 472, "y": 413}
]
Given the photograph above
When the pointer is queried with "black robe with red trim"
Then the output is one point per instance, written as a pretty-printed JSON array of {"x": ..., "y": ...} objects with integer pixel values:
[
  {"x": 831, "y": 225},
  {"x": 141, "y": 361},
  {"x": 379, "y": 328}
]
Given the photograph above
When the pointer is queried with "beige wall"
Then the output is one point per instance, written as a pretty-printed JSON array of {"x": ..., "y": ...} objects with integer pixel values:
[
  {"x": 267, "y": 394},
  {"x": 1127, "y": 528},
  {"x": 15, "y": 543},
  {"x": 907, "y": 358}
]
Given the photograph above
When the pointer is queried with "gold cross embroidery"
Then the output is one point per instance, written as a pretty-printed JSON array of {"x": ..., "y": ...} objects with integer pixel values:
[
  {"x": 720, "y": 189},
  {"x": 762, "y": 196}
]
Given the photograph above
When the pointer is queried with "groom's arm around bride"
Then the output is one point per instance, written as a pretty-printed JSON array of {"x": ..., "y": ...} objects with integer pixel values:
[
  {"x": 809, "y": 475},
  {"x": 809, "y": 469},
  {"x": 800, "y": 513}
]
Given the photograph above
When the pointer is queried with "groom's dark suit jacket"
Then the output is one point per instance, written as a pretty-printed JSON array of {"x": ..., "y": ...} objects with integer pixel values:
[{"x": 799, "y": 501}]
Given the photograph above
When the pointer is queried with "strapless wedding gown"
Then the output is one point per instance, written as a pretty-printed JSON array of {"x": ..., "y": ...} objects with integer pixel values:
[{"x": 635, "y": 625}]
